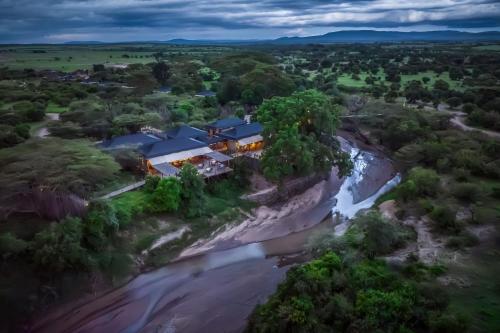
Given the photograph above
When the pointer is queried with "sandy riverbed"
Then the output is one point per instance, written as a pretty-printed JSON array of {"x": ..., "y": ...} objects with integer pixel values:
[{"x": 217, "y": 290}]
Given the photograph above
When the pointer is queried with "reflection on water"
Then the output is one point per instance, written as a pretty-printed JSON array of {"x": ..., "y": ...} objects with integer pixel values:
[
  {"x": 351, "y": 210},
  {"x": 203, "y": 291},
  {"x": 345, "y": 207}
]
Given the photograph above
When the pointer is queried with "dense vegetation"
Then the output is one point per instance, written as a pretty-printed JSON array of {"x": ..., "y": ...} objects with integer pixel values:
[
  {"x": 299, "y": 134},
  {"x": 55, "y": 234},
  {"x": 366, "y": 296}
]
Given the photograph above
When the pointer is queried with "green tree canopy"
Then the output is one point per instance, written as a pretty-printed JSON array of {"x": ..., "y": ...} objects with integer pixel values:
[
  {"x": 299, "y": 132},
  {"x": 193, "y": 195},
  {"x": 52, "y": 164},
  {"x": 167, "y": 195}
]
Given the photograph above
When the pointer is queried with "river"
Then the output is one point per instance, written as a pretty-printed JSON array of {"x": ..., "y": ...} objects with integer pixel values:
[{"x": 216, "y": 291}]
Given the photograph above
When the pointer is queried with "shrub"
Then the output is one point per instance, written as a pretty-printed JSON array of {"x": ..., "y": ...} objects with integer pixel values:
[
  {"x": 448, "y": 323},
  {"x": 380, "y": 236},
  {"x": 461, "y": 174},
  {"x": 426, "y": 181},
  {"x": 407, "y": 190},
  {"x": 167, "y": 196},
  {"x": 58, "y": 248},
  {"x": 10, "y": 244},
  {"x": 468, "y": 192},
  {"x": 444, "y": 219},
  {"x": 485, "y": 215},
  {"x": 151, "y": 183},
  {"x": 464, "y": 239},
  {"x": 192, "y": 193}
]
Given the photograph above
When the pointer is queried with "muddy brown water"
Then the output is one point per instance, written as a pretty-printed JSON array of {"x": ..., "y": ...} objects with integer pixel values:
[{"x": 215, "y": 291}]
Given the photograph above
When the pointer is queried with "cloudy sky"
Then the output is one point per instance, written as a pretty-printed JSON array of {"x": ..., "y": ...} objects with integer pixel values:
[{"x": 53, "y": 21}]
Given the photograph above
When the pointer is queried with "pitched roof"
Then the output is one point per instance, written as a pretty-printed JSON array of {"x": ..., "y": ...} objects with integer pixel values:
[
  {"x": 243, "y": 131},
  {"x": 226, "y": 123},
  {"x": 164, "y": 89},
  {"x": 130, "y": 141},
  {"x": 185, "y": 131},
  {"x": 170, "y": 146},
  {"x": 166, "y": 169},
  {"x": 210, "y": 139}
]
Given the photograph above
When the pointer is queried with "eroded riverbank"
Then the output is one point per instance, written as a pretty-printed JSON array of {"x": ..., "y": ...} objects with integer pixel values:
[{"x": 216, "y": 288}]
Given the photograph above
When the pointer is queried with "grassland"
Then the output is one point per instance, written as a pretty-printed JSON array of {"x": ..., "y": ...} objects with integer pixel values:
[
  {"x": 68, "y": 58},
  {"x": 456, "y": 85},
  {"x": 487, "y": 48},
  {"x": 347, "y": 80}
]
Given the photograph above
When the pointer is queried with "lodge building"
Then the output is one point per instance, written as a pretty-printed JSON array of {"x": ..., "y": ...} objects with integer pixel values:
[{"x": 210, "y": 150}]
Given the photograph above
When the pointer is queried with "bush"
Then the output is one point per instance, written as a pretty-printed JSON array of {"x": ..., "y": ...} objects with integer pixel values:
[
  {"x": 58, "y": 248},
  {"x": 467, "y": 192},
  {"x": 379, "y": 235},
  {"x": 151, "y": 183},
  {"x": 461, "y": 174},
  {"x": 426, "y": 181},
  {"x": 448, "y": 323},
  {"x": 167, "y": 196},
  {"x": 10, "y": 244},
  {"x": 407, "y": 190},
  {"x": 485, "y": 215},
  {"x": 192, "y": 193},
  {"x": 463, "y": 240},
  {"x": 444, "y": 219}
]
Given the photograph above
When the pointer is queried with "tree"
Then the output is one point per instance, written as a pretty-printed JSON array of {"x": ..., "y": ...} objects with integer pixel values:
[
  {"x": 167, "y": 196},
  {"x": 161, "y": 72},
  {"x": 11, "y": 245},
  {"x": 287, "y": 156},
  {"x": 192, "y": 193},
  {"x": 62, "y": 167},
  {"x": 441, "y": 85},
  {"x": 229, "y": 90},
  {"x": 100, "y": 222},
  {"x": 454, "y": 101},
  {"x": 299, "y": 130},
  {"x": 30, "y": 111},
  {"x": 58, "y": 248},
  {"x": 423, "y": 181}
]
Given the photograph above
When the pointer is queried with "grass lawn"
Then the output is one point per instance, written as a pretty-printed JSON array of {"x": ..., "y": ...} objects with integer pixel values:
[
  {"x": 348, "y": 81},
  {"x": 455, "y": 85}
]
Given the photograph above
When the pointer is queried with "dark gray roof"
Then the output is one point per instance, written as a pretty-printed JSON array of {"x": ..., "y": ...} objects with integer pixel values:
[
  {"x": 170, "y": 146},
  {"x": 166, "y": 169},
  {"x": 129, "y": 141},
  {"x": 165, "y": 89},
  {"x": 226, "y": 123},
  {"x": 220, "y": 157},
  {"x": 185, "y": 131},
  {"x": 243, "y": 131},
  {"x": 210, "y": 139}
]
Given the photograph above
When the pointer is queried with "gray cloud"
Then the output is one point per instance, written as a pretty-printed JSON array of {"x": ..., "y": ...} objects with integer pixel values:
[{"x": 116, "y": 20}]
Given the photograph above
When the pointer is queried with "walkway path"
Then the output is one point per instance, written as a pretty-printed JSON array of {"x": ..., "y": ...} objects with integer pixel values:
[
  {"x": 123, "y": 190},
  {"x": 458, "y": 121}
]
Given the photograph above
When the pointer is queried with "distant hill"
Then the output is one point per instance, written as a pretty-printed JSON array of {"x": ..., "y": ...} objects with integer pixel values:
[
  {"x": 345, "y": 36},
  {"x": 87, "y": 42},
  {"x": 372, "y": 36}
]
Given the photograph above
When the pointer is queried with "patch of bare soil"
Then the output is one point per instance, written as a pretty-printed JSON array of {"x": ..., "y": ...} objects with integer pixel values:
[{"x": 259, "y": 183}]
